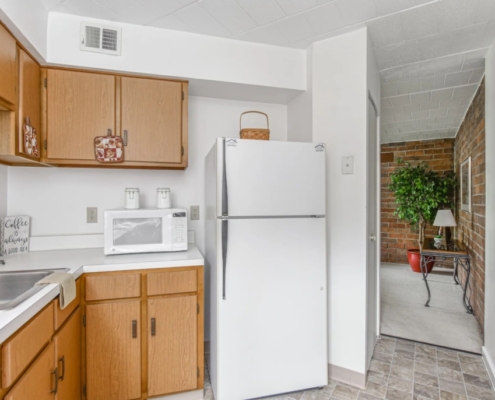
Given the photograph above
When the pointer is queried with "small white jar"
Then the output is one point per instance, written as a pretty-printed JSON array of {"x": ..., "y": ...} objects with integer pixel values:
[
  {"x": 131, "y": 198},
  {"x": 163, "y": 198}
]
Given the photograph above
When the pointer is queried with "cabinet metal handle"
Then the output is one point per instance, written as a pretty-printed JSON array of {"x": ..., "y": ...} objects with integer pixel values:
[
  {"x": 134, "y": 329},
  {"x": 153, "y": 326},
  {"x": 125, "y": 138},
  {"x": 109, "y": 132},
  {"x": 55, "y": 374},
  {"x": 62, "y": 360}
]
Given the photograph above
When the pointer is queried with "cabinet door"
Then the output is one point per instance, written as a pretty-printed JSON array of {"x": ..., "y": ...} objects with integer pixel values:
[
  {"x": 172, "y": 344},
  {"x": 29, "y": 97},
  {"x": 152, "y": 120},
  {"x": 38, "y": 382},
  {"x": 113, "y": 351},
  {"x": 68, "y": 357},
  {"x": 8, "y": 77},
  {"x": 80, "y": 106}
]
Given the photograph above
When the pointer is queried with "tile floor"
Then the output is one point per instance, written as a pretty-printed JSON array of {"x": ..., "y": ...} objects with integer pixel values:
[{"x": 405, "y": 370}]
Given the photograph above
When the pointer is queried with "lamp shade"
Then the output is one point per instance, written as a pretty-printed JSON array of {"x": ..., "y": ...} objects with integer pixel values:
[{"x": 444, "y": 218}]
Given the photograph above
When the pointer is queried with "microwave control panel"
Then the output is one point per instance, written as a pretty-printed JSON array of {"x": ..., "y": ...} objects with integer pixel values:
[{"x": 179, "y": 231}]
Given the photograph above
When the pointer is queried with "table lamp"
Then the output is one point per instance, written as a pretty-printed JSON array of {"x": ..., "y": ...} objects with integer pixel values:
[{"x": 444, "y": 219}]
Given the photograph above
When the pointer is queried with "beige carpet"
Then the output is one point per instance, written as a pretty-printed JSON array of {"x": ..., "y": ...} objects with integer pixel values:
[{"x": 444, "y": 323}]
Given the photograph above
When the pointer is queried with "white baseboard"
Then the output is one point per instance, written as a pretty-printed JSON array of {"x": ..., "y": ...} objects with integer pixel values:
[
  {"x": 348, "y": 376},
  {"x": 490, "y": 366}
]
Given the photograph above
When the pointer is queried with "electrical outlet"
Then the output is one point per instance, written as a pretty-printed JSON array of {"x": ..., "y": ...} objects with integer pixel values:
[
  {"x": 92, "y": 215},
  {"x": 194, "y": 213}
]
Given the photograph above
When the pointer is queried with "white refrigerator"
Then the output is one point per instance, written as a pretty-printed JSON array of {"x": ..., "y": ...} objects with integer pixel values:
[{"x": 266, "y": 267}]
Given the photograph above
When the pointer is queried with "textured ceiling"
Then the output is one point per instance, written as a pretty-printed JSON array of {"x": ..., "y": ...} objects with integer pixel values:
[{"x": 430, "y": 52}]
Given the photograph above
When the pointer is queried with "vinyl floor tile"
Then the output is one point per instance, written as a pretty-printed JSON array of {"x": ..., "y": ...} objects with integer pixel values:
[{"x": 433, "y": 373}]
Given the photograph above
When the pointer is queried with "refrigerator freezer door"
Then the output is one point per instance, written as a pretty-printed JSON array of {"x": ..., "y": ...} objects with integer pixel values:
[
  {"x": 272, "y": 325},
  {"x": 273, "y": 178}
]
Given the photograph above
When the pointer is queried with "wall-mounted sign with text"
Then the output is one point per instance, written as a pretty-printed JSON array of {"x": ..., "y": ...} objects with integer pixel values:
[{"x": 14, "y": 235}]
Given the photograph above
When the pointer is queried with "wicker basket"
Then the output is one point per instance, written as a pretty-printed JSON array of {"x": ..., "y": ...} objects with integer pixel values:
[{"x": 255, "y": 133}]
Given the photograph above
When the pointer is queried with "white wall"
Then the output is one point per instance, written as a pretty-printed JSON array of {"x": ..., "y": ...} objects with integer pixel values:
[
  {"x": 56, "y": 198},
  {"x": 340, "y": 120},
  {"x": 28, "y": 21},
  {"x": 150, "y": 50},
  {"x": 489, "y": 348},
  {"x": 300, "y": 110},
  {"x": 3, "y": 190}
]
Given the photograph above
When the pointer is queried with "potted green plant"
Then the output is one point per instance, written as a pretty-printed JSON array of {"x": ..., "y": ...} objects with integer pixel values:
[{"x": 419, "y": 193}]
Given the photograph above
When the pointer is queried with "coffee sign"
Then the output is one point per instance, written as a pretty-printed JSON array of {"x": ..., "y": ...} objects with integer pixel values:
[{"x": 14, "y": 235}]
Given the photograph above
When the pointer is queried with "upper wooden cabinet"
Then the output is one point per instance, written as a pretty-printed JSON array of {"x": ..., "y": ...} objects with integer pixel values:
[
  {"x": 149, "y": 114},
  {"x": 29, "y": 100},
  {"x": 152, "y": 120},
  {"x": 13, "y": 150},
  {"x": 80, "y": 106},
  {"x": 8, "y": 75}
]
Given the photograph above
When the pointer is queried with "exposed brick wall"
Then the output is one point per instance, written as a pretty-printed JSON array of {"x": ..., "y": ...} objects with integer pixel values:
[
  {"x": 397, "y": 236},
  {"x": 470, "y": 142}
]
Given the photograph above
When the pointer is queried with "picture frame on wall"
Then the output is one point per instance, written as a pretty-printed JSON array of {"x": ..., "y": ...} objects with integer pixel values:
[{"x": 466, "y": 185}]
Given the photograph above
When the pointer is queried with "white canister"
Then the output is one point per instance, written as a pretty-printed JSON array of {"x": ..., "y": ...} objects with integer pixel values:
[
  {"x": 131, "y": 198},
  {"x": 163, "y": 198}
]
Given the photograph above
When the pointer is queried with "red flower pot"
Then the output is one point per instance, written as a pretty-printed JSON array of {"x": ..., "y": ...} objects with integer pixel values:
[{"x": 414, "y": 258}]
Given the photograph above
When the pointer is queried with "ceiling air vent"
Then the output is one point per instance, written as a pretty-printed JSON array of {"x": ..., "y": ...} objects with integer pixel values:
[{"x": 101, "y": 39}]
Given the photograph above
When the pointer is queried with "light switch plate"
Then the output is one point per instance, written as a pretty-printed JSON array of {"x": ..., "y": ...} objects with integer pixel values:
[
  {"x": 194, "y": 213},
  {"x": 92, "y": 215},
  {"x": 347, "y": 165}
]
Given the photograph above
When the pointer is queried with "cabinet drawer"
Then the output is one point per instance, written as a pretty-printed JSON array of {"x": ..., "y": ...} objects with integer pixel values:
[
  {"x": 38, "y": 381},
  {"x": 115, "y": 286},
  {"x": 62, "y": 315},
  {"x": 20, "y": 350},
  {"x": 170, "y": 282}
]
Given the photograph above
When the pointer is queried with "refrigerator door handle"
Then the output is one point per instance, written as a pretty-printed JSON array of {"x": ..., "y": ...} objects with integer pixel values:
[
  {"x": 225, "y": 240},
  {"x": 225, "y": 196}
]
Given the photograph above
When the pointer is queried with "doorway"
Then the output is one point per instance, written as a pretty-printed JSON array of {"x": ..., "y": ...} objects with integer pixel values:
[
  {"x": 403, "y": 292},
  {"x": 372, "y": 298}
]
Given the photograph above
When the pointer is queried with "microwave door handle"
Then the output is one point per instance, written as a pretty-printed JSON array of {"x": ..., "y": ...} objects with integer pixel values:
[{"x": 225, "y": 242}]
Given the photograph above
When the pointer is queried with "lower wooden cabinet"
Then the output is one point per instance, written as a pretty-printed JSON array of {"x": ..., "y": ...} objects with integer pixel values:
[
  {"x": 172, "y": 344},
  {"x": 56, "y": 373},
  {"x": 68, "y": 358},
  {"x": 39, "y": 381},
  {"x": 113, "y": 351},
  {"x": 43, "y": 359},
  {"x": 145, "y": 341}
]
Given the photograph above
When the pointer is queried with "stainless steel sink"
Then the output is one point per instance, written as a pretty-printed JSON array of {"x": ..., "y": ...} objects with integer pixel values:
[{"x": 15, "y": 287}]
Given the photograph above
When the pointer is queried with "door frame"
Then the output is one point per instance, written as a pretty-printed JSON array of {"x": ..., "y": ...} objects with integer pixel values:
[{"x": 369, "y": 352}]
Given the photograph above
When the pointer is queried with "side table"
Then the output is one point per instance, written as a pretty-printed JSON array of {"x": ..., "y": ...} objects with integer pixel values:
[{"x": 455, "y": 250}]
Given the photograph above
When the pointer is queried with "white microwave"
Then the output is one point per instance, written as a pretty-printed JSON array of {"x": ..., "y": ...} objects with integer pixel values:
[{"x": 145, "y": 230}]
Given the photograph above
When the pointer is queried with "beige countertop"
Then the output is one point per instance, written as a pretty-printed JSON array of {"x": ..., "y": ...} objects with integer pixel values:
[{"x": 78, "y": 262}]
